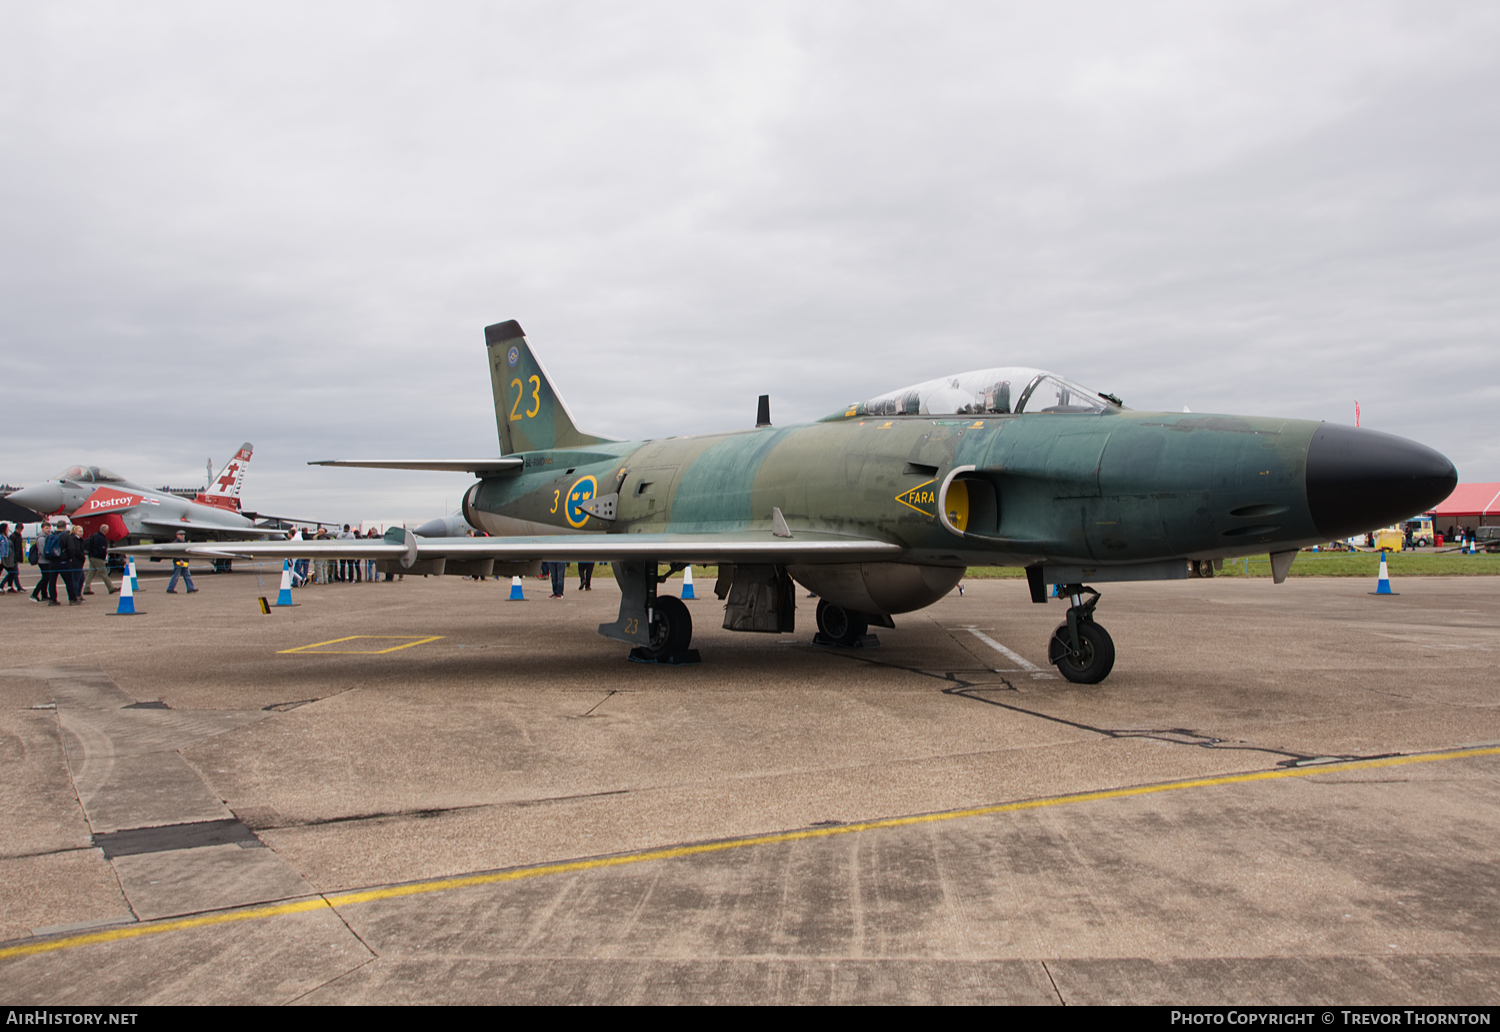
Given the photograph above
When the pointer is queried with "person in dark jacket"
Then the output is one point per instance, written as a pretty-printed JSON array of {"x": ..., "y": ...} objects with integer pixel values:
[
  {"x": 12, "y": 561},
  {"x": 46, "y": 588},
  {"x": 97, "y": 546},
  {"x": 74, "y": 558},
  {"x": 17, "y": 548}
]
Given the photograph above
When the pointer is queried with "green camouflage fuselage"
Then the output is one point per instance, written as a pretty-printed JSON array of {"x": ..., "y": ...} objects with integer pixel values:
[{"x": 1091, "y": 488}]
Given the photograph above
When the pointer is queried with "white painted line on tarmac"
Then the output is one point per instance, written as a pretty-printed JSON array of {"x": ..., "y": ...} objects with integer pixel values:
[{"x": 1030, "y": 668}]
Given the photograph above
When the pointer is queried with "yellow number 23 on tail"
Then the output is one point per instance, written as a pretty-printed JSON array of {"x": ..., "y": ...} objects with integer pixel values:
[{"x": 536, "y": 397}]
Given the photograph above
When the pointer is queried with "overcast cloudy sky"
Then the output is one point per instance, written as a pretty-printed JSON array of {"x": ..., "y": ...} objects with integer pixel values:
[{"x": 289, "y": 223}]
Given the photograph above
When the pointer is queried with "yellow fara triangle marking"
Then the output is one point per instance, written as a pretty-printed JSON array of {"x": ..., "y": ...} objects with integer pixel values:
[{"x": 922, "y": 498}]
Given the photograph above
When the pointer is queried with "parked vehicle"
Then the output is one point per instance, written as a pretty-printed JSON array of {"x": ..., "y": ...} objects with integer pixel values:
[{"x": 1421, "y": 531}]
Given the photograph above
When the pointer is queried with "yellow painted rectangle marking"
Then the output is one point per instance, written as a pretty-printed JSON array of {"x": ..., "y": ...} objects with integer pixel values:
[
  {"x": 409, "y": 639},
  {"x": 342, "y": 899}
]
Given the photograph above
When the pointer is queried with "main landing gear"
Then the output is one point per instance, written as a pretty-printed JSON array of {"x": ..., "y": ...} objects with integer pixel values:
[
  {"x": 840, "y": 626},
  {"x": 659, "y": 626},
  {"x": 1082, "y": 651},
  {"x": 671, "y": 632}
]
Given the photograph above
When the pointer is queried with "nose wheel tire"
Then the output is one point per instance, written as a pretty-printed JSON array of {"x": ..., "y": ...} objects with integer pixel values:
[
  {"x": 1094, "y": 659},
  {"x": 839, "y": 625},
  {"x": 671, "y": 628}
]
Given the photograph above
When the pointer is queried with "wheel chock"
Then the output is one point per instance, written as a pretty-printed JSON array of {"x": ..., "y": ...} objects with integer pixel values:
[
  {"x": 687, "y": 657},
  {"x": 866, "y": 641}
]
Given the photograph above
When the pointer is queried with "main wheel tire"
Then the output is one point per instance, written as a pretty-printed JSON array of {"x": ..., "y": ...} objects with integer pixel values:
[
  {"x": 1094, "y": 662},
  {"x": 671, "y": 627},
  {"x": 839, "y": 625}
]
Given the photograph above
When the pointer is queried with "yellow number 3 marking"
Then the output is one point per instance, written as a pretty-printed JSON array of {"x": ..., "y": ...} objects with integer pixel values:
[{"x": 555, "y": 496}]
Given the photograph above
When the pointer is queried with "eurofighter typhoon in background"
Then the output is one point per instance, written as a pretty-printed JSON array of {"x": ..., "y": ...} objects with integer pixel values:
[
  {"x": 880, "y": 507},
  {"x": 96, "y": 498}
]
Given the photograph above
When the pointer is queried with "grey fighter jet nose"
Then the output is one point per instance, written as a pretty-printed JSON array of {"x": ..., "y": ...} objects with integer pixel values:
[
  {"x": 43, "y": 498},
  {"x": 1358, "y": 480},
  {"x": 432, "y": 528}
]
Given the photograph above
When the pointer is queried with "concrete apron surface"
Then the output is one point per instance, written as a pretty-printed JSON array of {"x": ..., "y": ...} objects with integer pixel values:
[{"x": 1282, "y": 794}]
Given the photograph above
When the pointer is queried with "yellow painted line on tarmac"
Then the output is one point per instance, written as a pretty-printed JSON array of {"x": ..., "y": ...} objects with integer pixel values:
[
  {"x": 321, "y": 651},
  {"x": 674, "y": 852},
  {"x": 156, "y": 928}
]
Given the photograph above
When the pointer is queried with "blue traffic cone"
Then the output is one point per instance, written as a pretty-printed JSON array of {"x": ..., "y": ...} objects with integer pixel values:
[
  {"x": 687, "y": 583},
  {"x": 516, "y": 595},
  {"x": 127, "y": 597},
  {"x": 284, "y": 596},
  {"x": 135, "y": 585},
  {"x": 1383, "y": 586}
]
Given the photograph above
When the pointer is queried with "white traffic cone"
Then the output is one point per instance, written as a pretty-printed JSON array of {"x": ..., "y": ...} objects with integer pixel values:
[
  {"x": 1383, "y": 585},
  {"x": 284, "y": 596},
  {"x": 516, "y": 594},
  {"x": 687, "y": 584},
  {"x": 135, "y": 585},
  {"x": 127, "y": 597}
]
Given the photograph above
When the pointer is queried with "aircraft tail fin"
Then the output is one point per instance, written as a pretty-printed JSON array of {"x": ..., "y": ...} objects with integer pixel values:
[
  {"x": 224, "y": 490},
  {"x": 529, "y": 413}
]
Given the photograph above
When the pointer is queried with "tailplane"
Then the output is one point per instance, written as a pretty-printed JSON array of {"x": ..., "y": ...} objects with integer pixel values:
[
  {"x": 224, "y": 490},
  {"x": 529, "y": 413}
]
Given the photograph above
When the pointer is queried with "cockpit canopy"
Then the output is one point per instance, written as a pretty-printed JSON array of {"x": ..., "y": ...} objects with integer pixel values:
[
  {"x": 998, "y": 391},
  {"x": 90, "y": 475}
]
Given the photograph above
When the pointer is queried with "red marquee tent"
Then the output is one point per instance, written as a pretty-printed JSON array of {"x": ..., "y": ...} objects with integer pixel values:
[{"x": 1470, "y": 505}]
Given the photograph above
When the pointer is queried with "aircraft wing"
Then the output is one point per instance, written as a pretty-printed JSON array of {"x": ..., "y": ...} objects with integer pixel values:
[
  {"x": 479, "y": 467},
  {"x": 265, "y": 516},
  {"x": 173, "y": 526},
  {"x": 702, "y": 549}
]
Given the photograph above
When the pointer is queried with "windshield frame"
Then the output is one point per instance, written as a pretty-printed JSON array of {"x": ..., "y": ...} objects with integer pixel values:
[{"x": 983, "y": 386}]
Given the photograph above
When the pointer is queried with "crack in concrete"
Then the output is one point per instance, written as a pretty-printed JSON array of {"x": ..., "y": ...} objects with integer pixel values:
[
  {"x": 427, "y": 813},
  {"x": 967, "y": 689},
  {"x": 46, "y": 852},
  {"x": 1048, "y": 972},
  {"x": 610, "y": 695},
  {"x": 342, "y": 975}
]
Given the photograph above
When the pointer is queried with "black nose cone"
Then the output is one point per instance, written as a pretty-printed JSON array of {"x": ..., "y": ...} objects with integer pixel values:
[{"x": 1358, "y": 480}]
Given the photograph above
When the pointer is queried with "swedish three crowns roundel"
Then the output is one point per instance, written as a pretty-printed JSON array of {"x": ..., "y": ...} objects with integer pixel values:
[{"x": 580, "y": 494}]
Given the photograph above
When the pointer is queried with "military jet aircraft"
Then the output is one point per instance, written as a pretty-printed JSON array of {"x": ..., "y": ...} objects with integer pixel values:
[
  {"x": 880, "y": 507},
  {"x": 96, "y": 497},
  {"x": 445, "y": 526}
]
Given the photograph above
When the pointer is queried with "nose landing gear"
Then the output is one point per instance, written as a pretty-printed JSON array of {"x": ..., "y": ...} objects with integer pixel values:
[{"x": 1082, "y": 650}]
